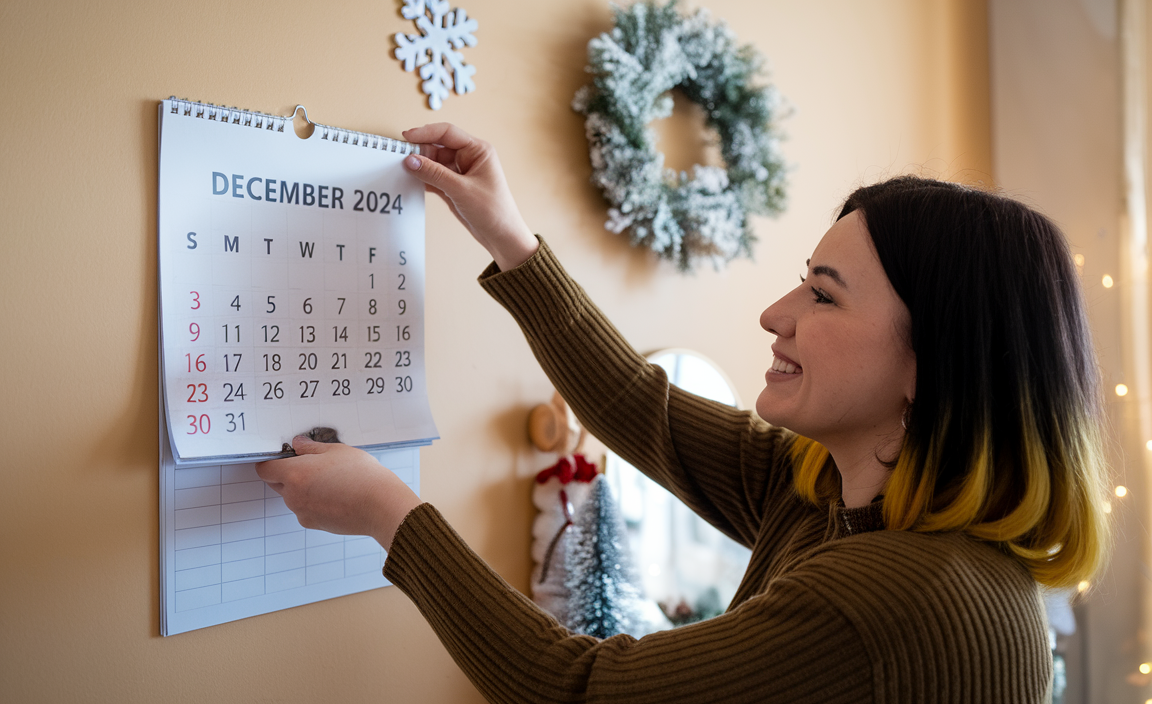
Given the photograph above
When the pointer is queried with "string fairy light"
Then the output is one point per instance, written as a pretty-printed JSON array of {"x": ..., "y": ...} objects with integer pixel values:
[{"x": 1107, "y": 281}]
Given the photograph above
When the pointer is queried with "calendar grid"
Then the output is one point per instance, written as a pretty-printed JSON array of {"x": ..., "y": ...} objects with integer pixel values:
[
  {"x": 289, "y": 301},
  {"x": 235, "y": 539}
]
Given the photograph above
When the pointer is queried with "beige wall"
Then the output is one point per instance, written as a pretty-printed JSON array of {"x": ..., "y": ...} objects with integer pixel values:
[{"x": 877, "y": 85}]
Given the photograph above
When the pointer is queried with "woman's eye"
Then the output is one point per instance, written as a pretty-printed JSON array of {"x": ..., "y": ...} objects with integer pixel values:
[{"x": 821, "y": 297}]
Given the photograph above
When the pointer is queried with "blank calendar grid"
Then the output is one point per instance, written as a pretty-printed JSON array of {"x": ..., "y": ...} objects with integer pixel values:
[{"x": 235, "y": 539}]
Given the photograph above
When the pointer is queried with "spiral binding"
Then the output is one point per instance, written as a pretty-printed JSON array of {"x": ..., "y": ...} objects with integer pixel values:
[{"x": 276, "y": 123}]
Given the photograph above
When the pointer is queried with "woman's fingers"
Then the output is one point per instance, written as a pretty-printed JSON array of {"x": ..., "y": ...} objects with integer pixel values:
[
  {"x": 444, "y": 133},
  {"x": 442, "y": 155},
  {"x": 304, "y": 445},
  {"x": 275, "y": 472},
  {"x": 432, "y": 173},
  {"x": 446, "y": 157}
]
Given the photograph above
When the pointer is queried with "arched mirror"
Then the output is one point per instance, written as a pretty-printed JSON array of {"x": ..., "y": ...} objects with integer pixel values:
[{"x": 688, "y": 567}]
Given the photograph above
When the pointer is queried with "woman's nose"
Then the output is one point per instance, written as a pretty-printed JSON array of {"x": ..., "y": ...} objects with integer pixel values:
[{"x": 776, "y": 320}]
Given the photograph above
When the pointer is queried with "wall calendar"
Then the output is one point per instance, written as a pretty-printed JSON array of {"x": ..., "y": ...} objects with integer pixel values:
[{"x": 291, "y": 297}]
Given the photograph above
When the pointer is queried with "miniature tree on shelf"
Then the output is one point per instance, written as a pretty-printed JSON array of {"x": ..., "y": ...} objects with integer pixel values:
[{"x": 604, "y": 599}]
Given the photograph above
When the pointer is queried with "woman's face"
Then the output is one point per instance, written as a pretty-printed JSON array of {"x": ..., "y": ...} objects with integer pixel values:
[{"x": 842, "y": 369}]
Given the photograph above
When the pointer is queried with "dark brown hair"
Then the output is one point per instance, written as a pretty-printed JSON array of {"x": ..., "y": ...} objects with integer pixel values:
[{"x": 1003, "y": 438}]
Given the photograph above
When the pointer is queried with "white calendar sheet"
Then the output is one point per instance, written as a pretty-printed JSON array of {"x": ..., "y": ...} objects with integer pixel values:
[
  {"x": 291, "y": 291},
  {"x": 231, "y": 549},
  {"x": 291, "y": 286}
]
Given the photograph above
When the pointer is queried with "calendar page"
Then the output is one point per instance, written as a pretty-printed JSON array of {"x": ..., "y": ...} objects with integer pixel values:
[
  {"x": 231, "y": 549},
  {"x": 291, "y": 277}
]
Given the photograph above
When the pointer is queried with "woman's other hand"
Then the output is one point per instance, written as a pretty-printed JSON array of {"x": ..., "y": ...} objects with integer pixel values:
[
  {"x": 466, "y": 173},
  {"x": 340, "y": 489}
]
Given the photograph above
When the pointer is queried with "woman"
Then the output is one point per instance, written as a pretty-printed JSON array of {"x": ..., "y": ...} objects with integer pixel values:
[{"x": 931, "y": 452}]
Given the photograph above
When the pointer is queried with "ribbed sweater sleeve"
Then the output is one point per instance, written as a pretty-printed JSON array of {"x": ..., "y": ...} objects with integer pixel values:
[
  {"x": 788, "y": 645},
  {"x": 723, "y": 463}
]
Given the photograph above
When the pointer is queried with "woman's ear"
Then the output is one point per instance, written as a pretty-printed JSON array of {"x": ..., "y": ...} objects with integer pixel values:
[{"x": 910, "y": 382}]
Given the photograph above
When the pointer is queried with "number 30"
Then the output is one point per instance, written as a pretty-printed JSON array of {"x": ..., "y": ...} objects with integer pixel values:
[{"x": 199, "y": 424}]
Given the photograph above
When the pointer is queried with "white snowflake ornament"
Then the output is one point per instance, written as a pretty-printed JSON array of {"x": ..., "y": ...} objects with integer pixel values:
[{"x": 434, "y": 50}]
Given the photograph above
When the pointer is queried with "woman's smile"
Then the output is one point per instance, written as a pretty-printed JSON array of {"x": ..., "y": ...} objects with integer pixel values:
[{"x": 783, "y": 369}]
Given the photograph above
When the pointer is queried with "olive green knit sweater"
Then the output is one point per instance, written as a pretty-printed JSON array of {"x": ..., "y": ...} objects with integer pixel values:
[{"x": 833, "y": 607}]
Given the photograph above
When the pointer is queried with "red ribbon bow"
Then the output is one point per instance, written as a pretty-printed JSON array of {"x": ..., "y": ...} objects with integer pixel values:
[{"x": 584, "y": 471}]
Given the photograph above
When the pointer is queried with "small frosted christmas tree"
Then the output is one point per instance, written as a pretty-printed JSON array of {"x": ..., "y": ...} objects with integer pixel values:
[{"x": 604, "y": 599}]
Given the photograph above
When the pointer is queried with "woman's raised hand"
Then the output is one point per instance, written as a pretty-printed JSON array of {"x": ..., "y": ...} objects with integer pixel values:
[{"x": 466, "y": 173}]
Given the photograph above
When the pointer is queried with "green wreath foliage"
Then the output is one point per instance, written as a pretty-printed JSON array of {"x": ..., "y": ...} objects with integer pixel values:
[{"x": 684, "y": 218}]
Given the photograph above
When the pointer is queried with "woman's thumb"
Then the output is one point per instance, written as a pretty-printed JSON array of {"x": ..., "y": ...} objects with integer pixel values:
[
  {"x": 430, "y": 172},
  {"x": 304, "y": 445}
]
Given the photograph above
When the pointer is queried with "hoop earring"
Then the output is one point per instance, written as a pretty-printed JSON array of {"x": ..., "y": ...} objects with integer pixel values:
[{"x": 906, "y": 418}]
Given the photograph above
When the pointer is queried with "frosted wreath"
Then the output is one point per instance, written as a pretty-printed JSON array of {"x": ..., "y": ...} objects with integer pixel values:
[{"x": 686, "y": 219}]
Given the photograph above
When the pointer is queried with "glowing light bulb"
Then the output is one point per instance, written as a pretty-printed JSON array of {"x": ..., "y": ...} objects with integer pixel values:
[
  {"x": 1107, "y": 281},
  {"x": 1145, "y": 668},
  {"x": 1121, "y": 491},
  {"x": 1121, "y": 390},
  {"x": 1079, "y": 259},
  {"x": 1148, "y": 444},
  {"x": 1083, "y": 586}
]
